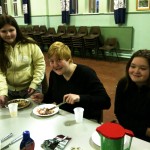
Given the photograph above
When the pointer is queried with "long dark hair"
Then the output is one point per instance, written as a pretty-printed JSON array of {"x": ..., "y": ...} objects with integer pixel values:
[
  {"x": 140, "y": 53},
  {"x": 7, "y": 19}
]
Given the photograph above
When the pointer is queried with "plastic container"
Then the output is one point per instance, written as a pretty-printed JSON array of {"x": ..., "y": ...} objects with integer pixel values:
[
  {"x": 112, "y": 136},
  {"x": 27, "y": 142}
]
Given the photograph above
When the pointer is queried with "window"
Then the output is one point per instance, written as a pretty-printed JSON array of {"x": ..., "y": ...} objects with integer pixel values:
[
  {"x": 15, "y": 7},
  {"x": 93, "y": 6},
  {"x": 73, "y": 6},
  {"x": 5, "y": 7}
]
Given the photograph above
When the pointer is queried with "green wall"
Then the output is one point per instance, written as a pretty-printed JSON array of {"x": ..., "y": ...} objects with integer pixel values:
[{"x": 48, "y": 12}]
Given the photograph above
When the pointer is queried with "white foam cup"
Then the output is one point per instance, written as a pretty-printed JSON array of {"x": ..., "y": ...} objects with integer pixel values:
[
  {"x": 78, "y": 111},
  {"x": 13, "y": 109}
]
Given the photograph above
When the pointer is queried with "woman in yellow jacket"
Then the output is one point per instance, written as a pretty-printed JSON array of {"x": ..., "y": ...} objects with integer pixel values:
[{"x": 22, "y": 64}]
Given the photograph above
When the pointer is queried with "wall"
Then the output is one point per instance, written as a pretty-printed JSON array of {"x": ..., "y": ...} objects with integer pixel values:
[{"x": 48, "y": 12}]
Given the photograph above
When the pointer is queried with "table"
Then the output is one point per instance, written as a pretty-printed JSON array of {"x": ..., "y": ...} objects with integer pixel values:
[{"x": 43, "y": 128}]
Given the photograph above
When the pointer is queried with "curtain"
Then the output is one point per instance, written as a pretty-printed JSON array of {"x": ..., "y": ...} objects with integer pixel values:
[
  {"x": 65, "y": 8},
  {"x": 119, "y": 11},
  {"x": 26, "y": 11}
]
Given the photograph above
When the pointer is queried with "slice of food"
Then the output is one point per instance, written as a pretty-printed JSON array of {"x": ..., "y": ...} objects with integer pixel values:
[{"x": 45, "y": 111}]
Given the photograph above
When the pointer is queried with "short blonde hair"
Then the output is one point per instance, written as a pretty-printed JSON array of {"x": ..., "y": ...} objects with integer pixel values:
[{"x": 61, "y": 51}]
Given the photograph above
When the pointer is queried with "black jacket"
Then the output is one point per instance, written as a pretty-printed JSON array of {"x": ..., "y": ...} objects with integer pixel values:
[
  {"x": 84, "y": 82},
  {"x": 132, "y": 107}
]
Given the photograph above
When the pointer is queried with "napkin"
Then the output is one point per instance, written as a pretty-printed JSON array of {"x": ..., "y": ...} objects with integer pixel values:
[{"x": 57, "y": 143}]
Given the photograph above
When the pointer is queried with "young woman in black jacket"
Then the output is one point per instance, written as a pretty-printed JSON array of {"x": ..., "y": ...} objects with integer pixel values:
[{"x": 132, "y": 100}]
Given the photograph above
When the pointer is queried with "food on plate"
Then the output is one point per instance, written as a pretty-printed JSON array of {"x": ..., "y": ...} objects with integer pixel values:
[
  {"x": 21, "y": 102},
  {"x": 45, "y": 111}
]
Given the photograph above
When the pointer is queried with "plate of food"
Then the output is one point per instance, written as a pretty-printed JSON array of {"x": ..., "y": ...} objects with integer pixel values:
[
  {"x": 45, "y": 110},
  {"x": 97, "y": 139},
  {"x": 22, "y": 103}
]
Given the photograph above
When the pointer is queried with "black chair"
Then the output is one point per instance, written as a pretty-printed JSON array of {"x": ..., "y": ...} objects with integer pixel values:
[
  {"x": 66, "y": 38},
  {"x": 43, "y": 29},
  {"x": 50, "y": 31},
  {"x": 29, "y": 31},
  {"x": 61, "y": 30},
  {"x": 38, "y": 31},
  {"x": 47, "y": 38},
  {"x": 38, "y": 39},
  {"x": 78, "y": 41},
  {"x": 93, "y": 41},
  {"x": 23, "y": 29},
  {"x": 111, "y": 45}
]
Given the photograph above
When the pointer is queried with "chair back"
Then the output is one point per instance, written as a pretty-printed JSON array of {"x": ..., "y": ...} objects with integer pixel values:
[
  {"x": 47, "y": 38},
  {"x": 111, "y": 42},
  {"x": 36, "y": 29},
  {"x": 51, "y": 31},
  {"x": 61, "y": 29},
  {"x": 95, "y": 30},
  {"x": 71, "y": 30},
  {"x": 111, "y": 45},
  {"x": 23, "y": 29},
  {"x": 43, "y": 29},
  {"x": 83, "y": 30},
  {"x": 29, "y": 29}
]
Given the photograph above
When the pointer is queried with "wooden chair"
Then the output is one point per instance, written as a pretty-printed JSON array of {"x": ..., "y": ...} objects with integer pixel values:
[{"x": 111, "y": 45}]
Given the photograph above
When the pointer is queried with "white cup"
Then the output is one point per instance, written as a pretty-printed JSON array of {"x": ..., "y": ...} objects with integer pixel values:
[
  {"x": 13, "y": 109},
  {"x": 78, "y": 111}
]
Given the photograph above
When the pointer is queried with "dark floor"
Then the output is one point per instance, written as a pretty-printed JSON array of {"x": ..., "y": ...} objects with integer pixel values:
[{"x": 109, "y": 73}]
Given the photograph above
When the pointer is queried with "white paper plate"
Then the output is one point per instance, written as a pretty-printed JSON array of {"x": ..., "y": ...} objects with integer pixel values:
[
  {"x": 96, "y": 138},
  {"x": 35, "y": 110}
]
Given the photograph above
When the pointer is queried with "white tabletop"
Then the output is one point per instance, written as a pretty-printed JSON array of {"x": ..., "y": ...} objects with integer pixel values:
[{"x": 43, "y": 128}]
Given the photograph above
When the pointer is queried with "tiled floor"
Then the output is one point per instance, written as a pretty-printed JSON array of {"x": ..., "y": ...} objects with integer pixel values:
[{"x": 109, "y": 73}]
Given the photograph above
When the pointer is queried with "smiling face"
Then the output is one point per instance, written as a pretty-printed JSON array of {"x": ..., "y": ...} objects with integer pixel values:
[
  {"x": 59, "y": 66},
  {"x": 8, "y": 34},
  {"x": 139, "y": 70},
  {"x": 60, "y": 59}
]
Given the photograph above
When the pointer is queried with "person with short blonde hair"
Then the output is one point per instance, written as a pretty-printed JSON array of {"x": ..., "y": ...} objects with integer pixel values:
[
  {"x": 60, "y": 50},
  {"x": 76, "y": 84}
]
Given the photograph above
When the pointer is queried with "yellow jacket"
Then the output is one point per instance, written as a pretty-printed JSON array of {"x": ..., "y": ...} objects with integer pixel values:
[{"x": 27, "y": 68}]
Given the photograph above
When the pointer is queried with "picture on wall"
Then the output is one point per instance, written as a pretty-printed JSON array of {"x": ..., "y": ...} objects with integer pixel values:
[{"x": 142, "y": 4}]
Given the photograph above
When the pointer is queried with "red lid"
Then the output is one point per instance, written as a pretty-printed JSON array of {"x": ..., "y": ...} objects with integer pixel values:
[{"x": 111, "y": 130}]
